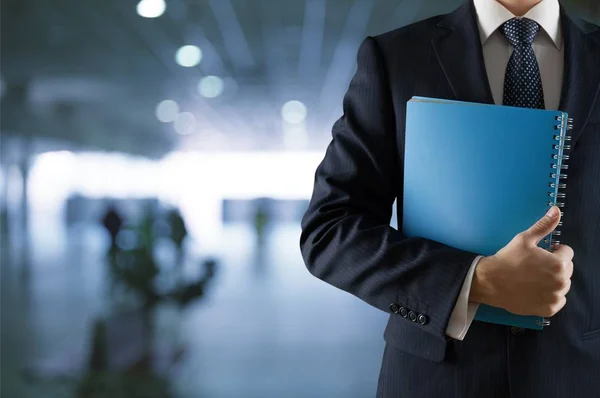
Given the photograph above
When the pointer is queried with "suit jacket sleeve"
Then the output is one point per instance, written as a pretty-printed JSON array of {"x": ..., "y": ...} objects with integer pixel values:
[{"x": 346, "y": 239}]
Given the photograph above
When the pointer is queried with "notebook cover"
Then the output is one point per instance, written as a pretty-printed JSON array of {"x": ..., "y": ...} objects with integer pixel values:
[{"x": 475, "y": 175}]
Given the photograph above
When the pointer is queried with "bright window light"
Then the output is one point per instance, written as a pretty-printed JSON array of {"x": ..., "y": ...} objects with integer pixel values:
[
  {"x": 188, "y": 56},
  {"x": 210, "y": 86},
  {"x": 151, "y": 8},
  {"x": 197, "y": 182},
  {"x": 295, "y": 136},
  {"x": 294, "y": 112}
]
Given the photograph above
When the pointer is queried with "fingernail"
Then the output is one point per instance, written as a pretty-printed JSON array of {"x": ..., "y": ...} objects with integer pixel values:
[{"x": 552, "y": 213}]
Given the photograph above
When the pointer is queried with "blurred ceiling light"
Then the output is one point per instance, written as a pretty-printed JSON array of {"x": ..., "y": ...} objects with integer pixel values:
[
  {"x": 188, "y": 56},
  {"x": 294, "y": 112},
  {"x": 167, "y": 111},
  {"x": 151, "y": 8},
  {"x": 211, "y": 86},
  {"x": 185, "y": 124}
]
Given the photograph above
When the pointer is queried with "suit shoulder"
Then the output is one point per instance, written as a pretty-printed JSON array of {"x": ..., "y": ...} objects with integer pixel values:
[
  {"x": 591, "y": 30},
  {"x": 588, "y": 27},
  {"x": 414, "y": 33}
]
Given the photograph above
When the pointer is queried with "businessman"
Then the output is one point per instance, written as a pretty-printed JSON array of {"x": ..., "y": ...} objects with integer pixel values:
[{"x": 508, "y": 52}]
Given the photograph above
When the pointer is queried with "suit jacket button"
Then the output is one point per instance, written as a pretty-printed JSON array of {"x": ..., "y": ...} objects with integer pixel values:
[
  {"x": 394, "y": 308},
  {"x": 422, "y": 319},
  {"x": 412, "y": 316},
  {"x": 517, "y": 331},
  {"x": 403, "y": 312}
]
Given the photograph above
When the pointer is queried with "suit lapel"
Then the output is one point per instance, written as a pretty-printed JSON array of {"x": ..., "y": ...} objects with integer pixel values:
[
  {"x": 458, "y": 50},
  {"x": 581, "y": 82}
]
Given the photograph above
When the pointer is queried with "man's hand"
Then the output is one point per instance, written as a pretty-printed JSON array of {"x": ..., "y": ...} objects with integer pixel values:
[{"x": 523, "y": 278}]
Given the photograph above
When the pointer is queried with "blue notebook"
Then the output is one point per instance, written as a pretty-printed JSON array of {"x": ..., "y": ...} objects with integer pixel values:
[{"x": 475, "y": 175}]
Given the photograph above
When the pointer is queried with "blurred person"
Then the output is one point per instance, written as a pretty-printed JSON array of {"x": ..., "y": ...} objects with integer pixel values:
[
  {"x": 146, "y": 229},
  {"x": 261, "y": 221},
  {"x": 113, "y": 222},
  {"x": 178, "y": 232},
  {"x": 347, "y": 241}
]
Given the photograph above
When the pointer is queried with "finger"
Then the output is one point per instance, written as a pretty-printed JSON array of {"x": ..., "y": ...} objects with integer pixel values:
[
  {"x": 554, "y": 308},
  {"x": 566, "y": 288},
  {"x": 543, "y": 226},
  {"x": 569, "y": 273},
  {"x": 563, "y": 252},
  {"x": 559, "y": 305}
]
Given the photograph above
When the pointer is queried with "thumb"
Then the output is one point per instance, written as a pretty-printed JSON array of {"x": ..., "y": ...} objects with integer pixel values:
[{"x": 543, "y": 226}]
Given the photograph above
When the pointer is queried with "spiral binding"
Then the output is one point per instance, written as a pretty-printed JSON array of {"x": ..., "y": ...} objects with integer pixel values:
[
  {"x": 543, "y": 322},
  {"x": 556, "y": 175},
  {"x": 557, "y": 166}
]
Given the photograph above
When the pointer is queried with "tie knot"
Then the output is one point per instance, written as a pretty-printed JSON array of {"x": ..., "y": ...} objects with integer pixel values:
[{"x": 520, "y": 30}]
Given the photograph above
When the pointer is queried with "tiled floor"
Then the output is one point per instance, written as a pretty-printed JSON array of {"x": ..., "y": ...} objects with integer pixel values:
[{"x": 267, "y": 328}]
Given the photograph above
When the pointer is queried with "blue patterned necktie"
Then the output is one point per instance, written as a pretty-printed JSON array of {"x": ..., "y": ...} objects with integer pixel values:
[{"x": 522, "y": 82}]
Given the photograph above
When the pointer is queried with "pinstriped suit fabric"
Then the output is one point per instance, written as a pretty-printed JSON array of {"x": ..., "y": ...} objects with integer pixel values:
[{"x": 346, "y": 239}]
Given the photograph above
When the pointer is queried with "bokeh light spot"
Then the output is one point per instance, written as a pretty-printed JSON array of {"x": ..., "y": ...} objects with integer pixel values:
[
  {"x": 151, "y": 8},
  {"x": 167, "y": 111},
  {"x": 188, "y": 56},
  {"x": 185, "y": 124},
  {"x": 211, "y": 86},
  {"x": 294, "y": 112}
]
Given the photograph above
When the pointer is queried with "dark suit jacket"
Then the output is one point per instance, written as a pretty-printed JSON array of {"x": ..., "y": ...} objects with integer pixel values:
[{"x": 347, "y": 241}]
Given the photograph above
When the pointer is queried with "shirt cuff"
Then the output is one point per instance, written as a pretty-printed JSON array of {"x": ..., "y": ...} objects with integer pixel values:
[{"x": 464, "y": 311}]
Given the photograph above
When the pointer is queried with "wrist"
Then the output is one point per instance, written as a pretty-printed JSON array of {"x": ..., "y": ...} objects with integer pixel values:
[{"x": 481, "y": 287}]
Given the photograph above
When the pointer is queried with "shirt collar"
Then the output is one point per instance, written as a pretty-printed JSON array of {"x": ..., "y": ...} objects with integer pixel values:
[{"x": 491, "y": 15}]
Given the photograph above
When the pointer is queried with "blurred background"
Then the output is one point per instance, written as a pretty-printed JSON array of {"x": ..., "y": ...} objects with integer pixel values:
[{"x": 156, "y": 159}]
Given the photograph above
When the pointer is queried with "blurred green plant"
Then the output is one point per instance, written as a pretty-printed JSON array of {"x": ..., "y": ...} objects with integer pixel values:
[
  {"x": 132, "y": 384},
  {"x": 138, "y": 271}
]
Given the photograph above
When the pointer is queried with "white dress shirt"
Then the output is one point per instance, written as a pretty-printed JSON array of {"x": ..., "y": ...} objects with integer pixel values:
[{"x": 549, "y": 52}]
